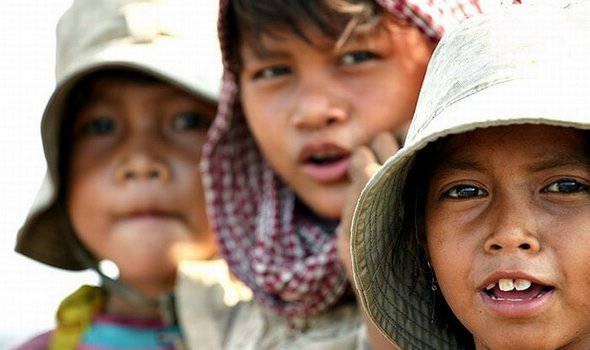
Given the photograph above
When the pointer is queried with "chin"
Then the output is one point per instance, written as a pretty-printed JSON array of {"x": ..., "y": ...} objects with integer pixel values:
[
  {"x": 516, "y": 342},
  {"x": 328, "y": 213}
]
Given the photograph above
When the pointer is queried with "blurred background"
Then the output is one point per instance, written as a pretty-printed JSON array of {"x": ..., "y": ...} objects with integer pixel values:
[{"x": 29, "y": 291}]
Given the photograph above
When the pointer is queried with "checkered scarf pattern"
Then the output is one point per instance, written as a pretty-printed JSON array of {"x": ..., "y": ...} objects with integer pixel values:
[{"x": 287, "y": 257}]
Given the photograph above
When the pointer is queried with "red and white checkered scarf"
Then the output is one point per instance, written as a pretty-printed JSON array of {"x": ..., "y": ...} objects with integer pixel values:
[{"x": 287, "y": 257}]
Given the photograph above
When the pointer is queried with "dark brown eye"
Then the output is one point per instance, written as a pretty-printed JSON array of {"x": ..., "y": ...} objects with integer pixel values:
[
  {"x": 272, "y": 72},
  {"x": 191, "y": 121},
  {"x": 97, "y": 126},
  {"x": 357, "y": 57},
  {"x": 565, "y": 186},
  {"x": 464, "y": 191}
]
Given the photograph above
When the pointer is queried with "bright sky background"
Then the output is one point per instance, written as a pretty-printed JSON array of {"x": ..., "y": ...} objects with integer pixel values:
[{"x": 29, "y": 291}]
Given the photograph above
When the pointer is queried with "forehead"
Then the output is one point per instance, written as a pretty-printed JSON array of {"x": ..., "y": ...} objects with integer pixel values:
[
  {"x": 386, "y": 35},
  {"x": 98, "y": 82},
  {"x": 283, "y": 38},
  {"x": 526, "y": 142},
  {"x": 250, "y": 21},
  {"x": 111, "y": 88},
  {"x": 119, "y": 87},
  {"x": 118, "y": 75},
  {"x": 96, "y": 85}
]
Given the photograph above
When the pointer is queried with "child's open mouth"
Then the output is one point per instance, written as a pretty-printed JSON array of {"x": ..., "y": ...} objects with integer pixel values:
[
  {"x": 326, "y": 158},
  {"x": 326, "y": 164},
  {"x": 516, "y": 298},
  {"x": 515, "y": 290}
]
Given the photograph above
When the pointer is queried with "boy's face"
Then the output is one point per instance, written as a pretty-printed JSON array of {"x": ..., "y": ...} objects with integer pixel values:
[
  {"x": 508, "y": 231},
  {"x": 134, "y": 192},
  {"x": 310, "y": 106}
]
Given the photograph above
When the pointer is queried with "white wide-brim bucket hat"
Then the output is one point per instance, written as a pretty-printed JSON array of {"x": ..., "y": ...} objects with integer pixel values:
[
  {"x": 521, "y": 64},
  {"x": 172, "y": 40}
]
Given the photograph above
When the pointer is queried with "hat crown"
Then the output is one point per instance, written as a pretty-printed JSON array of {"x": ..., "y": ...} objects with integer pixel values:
[
  {"x": 89, "y": 28},
  {"x": 488, "y": 50}
]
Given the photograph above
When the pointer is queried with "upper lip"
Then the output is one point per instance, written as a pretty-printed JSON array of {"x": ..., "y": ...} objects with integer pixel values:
[
  {"x": 322, "y": 148},
  {"x": 496, "y": 276},
  {"x": 147, "y": 212}
]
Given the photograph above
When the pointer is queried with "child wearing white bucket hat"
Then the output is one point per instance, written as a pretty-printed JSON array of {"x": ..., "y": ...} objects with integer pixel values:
[
  {"x": 137, "y": 88},
  {"x": 475, "y": 234}
]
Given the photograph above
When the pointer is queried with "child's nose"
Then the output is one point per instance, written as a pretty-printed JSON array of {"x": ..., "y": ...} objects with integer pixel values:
[
  {"x": 142, "y": 167},
  {"x": 513, "y": 228},
  {"x": 141, "y": 161},
  {"x": 317, "y": 107}
]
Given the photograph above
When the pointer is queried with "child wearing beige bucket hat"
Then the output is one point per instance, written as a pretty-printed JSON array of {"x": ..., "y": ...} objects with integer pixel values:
[
  {"x": 475, "y": 234},
  {"x": 137, "y": 88}
]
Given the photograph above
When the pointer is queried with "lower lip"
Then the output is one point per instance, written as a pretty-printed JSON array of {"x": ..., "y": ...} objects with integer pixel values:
[
  {"x": 517, "y": 308},
  {"x": 332, "y": 172}
]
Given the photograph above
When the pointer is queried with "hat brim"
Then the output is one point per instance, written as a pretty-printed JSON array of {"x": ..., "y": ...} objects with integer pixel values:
[{"x": 400, "y": 304}]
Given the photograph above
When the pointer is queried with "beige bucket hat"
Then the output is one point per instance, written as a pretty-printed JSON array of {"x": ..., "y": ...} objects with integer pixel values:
[
  {"x": 521, "y": 64},
  {"x": 172, "y": 40}
]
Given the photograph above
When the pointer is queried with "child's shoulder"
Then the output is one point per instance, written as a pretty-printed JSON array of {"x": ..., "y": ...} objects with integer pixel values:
[
  {"x": 339, "y": 327},
  {"x": 216, "y": 310}
]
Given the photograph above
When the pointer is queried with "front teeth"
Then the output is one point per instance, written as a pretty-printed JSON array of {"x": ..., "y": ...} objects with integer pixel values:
[
  {"x": 522, "y": 284},
  {"x": 508, "y": 284}
]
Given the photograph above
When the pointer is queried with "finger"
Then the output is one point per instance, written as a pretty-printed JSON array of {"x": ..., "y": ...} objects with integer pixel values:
[
  {"x": 401, "y": 132},
  {"x": 363, "y": 165},
  {"x": 384, "y": 145}
]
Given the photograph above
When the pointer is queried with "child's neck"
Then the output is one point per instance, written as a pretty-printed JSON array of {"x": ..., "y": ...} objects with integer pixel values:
[{"x": 119, "y": 306}]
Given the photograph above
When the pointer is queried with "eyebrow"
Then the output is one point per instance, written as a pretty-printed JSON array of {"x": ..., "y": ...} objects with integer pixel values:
[
  {"x": 261, "y": 51},
  {"x": 449, "y": 164},
  {"x": 561, "y": 160},
  {"x": 557, "y": 161},
  {"x": 100, "y": 99}
]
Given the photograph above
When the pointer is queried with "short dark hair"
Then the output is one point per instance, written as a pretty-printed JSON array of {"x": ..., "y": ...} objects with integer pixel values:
[{"x": 248, "y": 21}]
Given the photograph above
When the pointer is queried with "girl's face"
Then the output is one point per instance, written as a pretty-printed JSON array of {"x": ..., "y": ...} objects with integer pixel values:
[
  {"x": 508, "y": 231},
  {"x": 310, "y": 106},
  {"x": 134, "y": 192}
]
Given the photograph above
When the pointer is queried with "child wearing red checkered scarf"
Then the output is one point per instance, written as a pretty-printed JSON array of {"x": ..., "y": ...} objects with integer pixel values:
[{"x": 308, "y": 85}]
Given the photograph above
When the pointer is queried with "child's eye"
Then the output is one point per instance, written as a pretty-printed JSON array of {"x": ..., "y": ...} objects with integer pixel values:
[
  {"x": 565, "y": 186},
  {"x": 356, "y": 57},
  {"x": 464, "y": 191},
  {"x": 271, "y": 72},
  {"x": 97, "y": 126},
  {"x": 191, "y": 121}
]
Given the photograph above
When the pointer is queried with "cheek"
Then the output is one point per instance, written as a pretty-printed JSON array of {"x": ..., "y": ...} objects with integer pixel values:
[
  {"x": 265, "y": 111},
  {"x": 187, "y": 144},
  {"x": 452, "y": 267},
  {"x": 449, "y": 253},
  {"x": 86, "y": 191},
  {"x": 390, "y": 104},
  {"x": 194, "y": 191},
  {"x": 84, "y": 209},
  {"x": 83, "y": 193},
  {"x": 276, "y": 147},
  {"x": 255, "y": 103}
]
